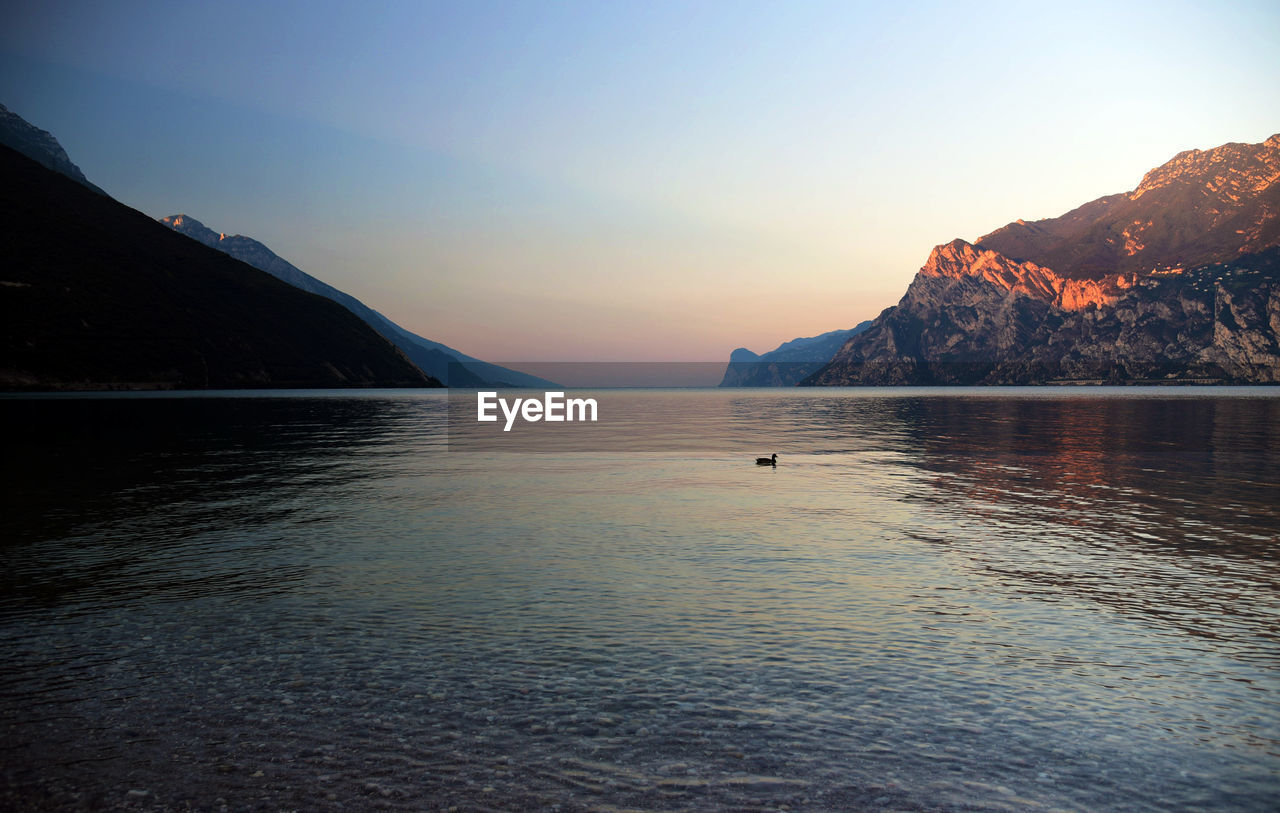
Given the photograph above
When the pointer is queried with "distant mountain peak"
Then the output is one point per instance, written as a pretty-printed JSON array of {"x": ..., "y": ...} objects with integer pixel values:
[
  {"x": 787, "y": 363},
  {"x": 181, "y": 221},
  {"x": 192, "y": 228}
]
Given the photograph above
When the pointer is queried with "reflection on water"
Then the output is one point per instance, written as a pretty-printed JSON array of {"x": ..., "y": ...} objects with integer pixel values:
[
  {"x": 974, "y": 599},
  {"x": 124, "y": 491},
  {"x": 1163, "y": 509}
]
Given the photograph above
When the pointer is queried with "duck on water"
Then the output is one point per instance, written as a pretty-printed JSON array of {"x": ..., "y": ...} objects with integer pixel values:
[{"x": 768, "y": 461}]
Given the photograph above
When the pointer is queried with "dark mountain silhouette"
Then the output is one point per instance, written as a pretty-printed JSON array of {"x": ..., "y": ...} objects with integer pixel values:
[
  {"x": 440, "y": 361},
  {"x": 789, "y": 363},
  {"x": 95, "y": 295},
  {"x": 1175, "y": 281}
]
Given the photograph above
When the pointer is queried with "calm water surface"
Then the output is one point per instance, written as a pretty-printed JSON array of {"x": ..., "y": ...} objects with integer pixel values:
[{"x": 955, "y": 600}]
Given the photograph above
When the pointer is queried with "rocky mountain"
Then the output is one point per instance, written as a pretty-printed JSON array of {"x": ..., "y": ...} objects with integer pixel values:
[
  {"x": 40, "y": 146},
  {"x": 95, "y": 295},
  {"x": 433, "y": 358},
  {"x": 1201, "y": 207},
  {"x": 1174, "y": 281},
  {"x": 789, "y": 363}
]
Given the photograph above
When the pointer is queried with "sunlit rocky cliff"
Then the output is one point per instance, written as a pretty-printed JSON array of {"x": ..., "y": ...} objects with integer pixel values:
[{"x": 1175, "y": 281}]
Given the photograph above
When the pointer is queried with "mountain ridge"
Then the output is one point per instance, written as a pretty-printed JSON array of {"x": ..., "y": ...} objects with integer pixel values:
[
  {"x": 1198, "y": 208},
  {"x": 1176, "y": 280},
  {"x": 788, "y": 363},
  {"x": 97, "y": 296},
  {"x": 40, "y": 146},
  {"x": 452, "y": 367}
]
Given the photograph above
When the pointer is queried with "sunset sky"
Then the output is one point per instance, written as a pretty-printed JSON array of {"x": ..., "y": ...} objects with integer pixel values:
[{"x": 627, "y": 180}]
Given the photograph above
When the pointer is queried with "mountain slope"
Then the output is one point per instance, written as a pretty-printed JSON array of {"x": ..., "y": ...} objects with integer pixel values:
[
  {"x": 1201, "y": 207},
  {"x": 1174, "y": 281},
  {"x": 40, "y": 146},
  {"x": 788, "y": 363},
  {"x": 440, "y": 361},
  {"x": 95, "y": 295}
]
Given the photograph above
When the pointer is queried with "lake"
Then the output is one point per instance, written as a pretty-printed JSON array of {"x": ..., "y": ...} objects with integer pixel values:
[{"x": 1016, "y": 599}]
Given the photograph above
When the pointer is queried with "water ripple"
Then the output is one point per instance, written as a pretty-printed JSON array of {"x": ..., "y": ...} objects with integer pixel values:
[{"x": 936, "y": 602}]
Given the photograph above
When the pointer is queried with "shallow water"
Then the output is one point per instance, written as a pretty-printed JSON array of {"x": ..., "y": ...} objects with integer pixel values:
[{"x": 1008, "y": 599}]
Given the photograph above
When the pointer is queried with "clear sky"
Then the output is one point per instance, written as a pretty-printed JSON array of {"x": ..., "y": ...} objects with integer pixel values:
[{"x": 630, "y": 180}]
